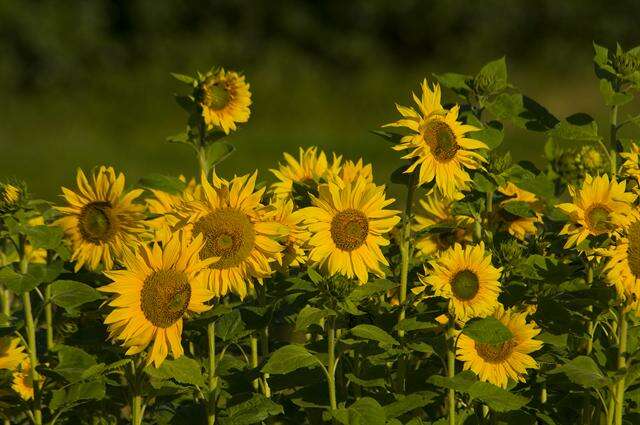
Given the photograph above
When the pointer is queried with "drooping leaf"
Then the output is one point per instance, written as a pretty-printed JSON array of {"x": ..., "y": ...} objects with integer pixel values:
[
  {"x": 522, "y": 111},
  {"x": 408, "y": 403},
  {"x": 577, "y": 127},
  {"x": 183, "y": 370},
  {"x": 289, "y": 358},
  {"x": 44, "y": 237},
  {"x": 311, "y": 315},
  {"x": 164, "y": 183},
  {"x": 518, "y": 208},
  {"x": 217, "y": 152},
  {"x": 255, "y": 410},
  {"x": 496, "y": 398},
  {"x": 365, "y": 411},
  {"x": 72, "y": 362},
  {"x": 72, "y": 395},
  {"x": 374, "y": 333},
  {"x": 230, "y": 326},
  {"x": 583, "y": 371}
]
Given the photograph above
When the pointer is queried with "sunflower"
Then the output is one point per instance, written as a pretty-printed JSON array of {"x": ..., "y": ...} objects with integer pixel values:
[
  {"x": 518, "y": 226},
  {"x": 600, "y": 207},
  {"x": 154, "y": 291},
  {"x": 224, "y": 98},
  {"x": 310, "y": 168},
  {"x": 35, "y": 255},
  {"x": 348, "y": 224},
  {"x": 467, "y": 278},
  {"x": 12, "y": 196},
  {"x": 623, "y": 267},
  {"x": 100, "y": 221},
  {"x": 163, "y": 205},
  {"x": 22, "y": 380},
  {"x": 631, "y": 164},
  {"x": 497, "y": 363},
  {"x": 436, "y": 211},
  {"x": 349, "y": 171},
  {"x": 237, "y": 230},
  {"x": 11, "y": 353},
  {"x": 283, "y": 212},
  {"x": 438, "y": 142}
]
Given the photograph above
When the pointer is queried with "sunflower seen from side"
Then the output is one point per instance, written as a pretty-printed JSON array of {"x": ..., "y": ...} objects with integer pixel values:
[
  {"x": 224, "y": 98},
  {"x": 622, "y": 269},
  {"x": 162, "y": 205},
  {"x": 466, "y": 277},
  {"x": 309, "y": 169},
  {"x": 348, "y": 224},
  {"x": 100, "y": 219},
  {"x": 350, "y": 171},
  {"x": 158, "y": 286},
  {"x": 22, "y": 382},
  {"x": 11, "y": 353},
  {"x": 284, "y": 212},
  {"x": 438, "y": 143},
  {"x": 600, "y": 207},
  {"x": 498, "y": 363},
  {"x": 631, "y": 163},
  {"x": 237, "y": 231},
  {"x": 518, "y": 226}
]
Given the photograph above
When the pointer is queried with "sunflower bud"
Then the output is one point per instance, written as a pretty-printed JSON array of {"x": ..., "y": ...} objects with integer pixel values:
[
  {"x": 510, "y": 251},
  {"x": 626, "y": 63},
  {"x": 484, "y": 84},
  {"x": 500, "y": 163},
  {"x": 12, "y": 196}
]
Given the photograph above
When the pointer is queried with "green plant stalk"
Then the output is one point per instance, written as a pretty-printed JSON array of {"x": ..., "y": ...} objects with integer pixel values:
[
  {"x": 613, "y": 137},
  {"x": 137, "y": 404},
  {"x": 331, "y": 352},
  {"x": 213, "y": 380},
  {"x": 264, "y": 342},
  {"x": 48, "y": 315},
  {"x": 6, "y": 302},
  {"x": 202, "y": 160},
  {"x": 31, "y": 341},
  {"x": 253, "y": 342},
  {"x": 621, "y": 364},
  {"x": 451, "y": 369},
  {"x": 586, "y": 405}
]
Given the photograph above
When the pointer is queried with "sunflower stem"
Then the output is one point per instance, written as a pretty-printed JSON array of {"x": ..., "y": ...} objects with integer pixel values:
[
  {"x": 6, "y": 302},
  {"x": 31, "y": 341},
  {"x": 213, "y": 380},
  {"x": 586, "y": 407},
  {"x": 253, "y": 339},
  {"x": 613, "y": 138},
  {"x": 48, "y": 315},
  {"x": 202, "y": 161},
  {"x": 137, "y": 409},
  {"x": 451, "y": 369},
  {"x": 621, "y": 363},
  {"x": 331, "y": 352}
]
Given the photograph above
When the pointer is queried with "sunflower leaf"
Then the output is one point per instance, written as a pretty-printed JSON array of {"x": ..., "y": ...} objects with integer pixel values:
[
  {"x": 372, "y": 332},
  {"x": 488, "y": 330},
  {"x": 289, "y": 358},
  {"x": 70, "y": 294},
  {"x": 583, "y": 371}
]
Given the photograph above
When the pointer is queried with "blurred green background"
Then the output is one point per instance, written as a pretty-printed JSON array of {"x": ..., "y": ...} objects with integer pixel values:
[{"x": 85, "y": 83}]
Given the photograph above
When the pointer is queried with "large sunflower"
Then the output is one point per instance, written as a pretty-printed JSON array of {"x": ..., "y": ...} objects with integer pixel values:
[
  {"x": 22, "y": 382},
  {"x": 348, "y": 224},
  {"x": 467, "y": 278},
  {"x": 516, "y": 225},
  {"x": 224, "y": 98},
  {"x": 284, "y": 213},
  {"x": 438, "y": 142},
  {"x": 436, "y": 211},
  {"x": 310, "y": 168},
  {"x": 154, "y": 291},
  {"x": 237, "y": 230},
  {"x": 623, "y": 268},
  {"x": 11, "y": 353},
  {"x": 163, "y": 206},
  {"x": 600, "y": 207},
  {"x": 497, "y": 363},
  {"x": 100, "y": 220}
]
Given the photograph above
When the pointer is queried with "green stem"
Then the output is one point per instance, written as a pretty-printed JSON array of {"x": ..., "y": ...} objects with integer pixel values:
[
  {"x": 613, "y": 138},
  {"x": 543, "y": 393},
  {"x": 451, "y": 369},
  {"x": 137, "y": 408},
  {"x": 405, "y": 249},
  {"x": 264, "y": 342},
  {"x": 586, "y": 405},
  {"x": 202, "y": 161},
  {"x": 622, "y": 353},
  {"x": 33, "y": 348},
  {"x": 254, "y": 359},
  {"x": 213, "y": 380},
  {"x": 331, "y": 351},
  {"x": 48, "y": 315}
]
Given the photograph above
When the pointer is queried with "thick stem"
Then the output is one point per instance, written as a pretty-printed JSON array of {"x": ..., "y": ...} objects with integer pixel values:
[
  {"x": 137, "y": 406},
  {"x": 331, "y": 351},
  {"x": 213, "y": 380},
  {"x": 451, "y": 369},
  {"x": 264, "y": 343},
  {"x": 405, "y": 249},
  {"x": 586, "y": 405},
  {"x": 33, "y": 356},
  {"x": 254, "y": 359},
  {"x": 136, "y": 409},
  {"x": 622, "y": 363},
  {"x": 48, "y": 315},
  {"x": 6, "y": 302},
  {"x": 613, "y": 138}
]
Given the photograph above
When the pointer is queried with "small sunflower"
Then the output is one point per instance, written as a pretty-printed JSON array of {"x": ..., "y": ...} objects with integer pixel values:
[
  {"x": 600, "y": 207},
  {"x": 11, "y": 353},
  {"x": 237, "y": 231},
  {"x": 518, "y": 226},
  {"x": 438, "y": 142},
  {"x": 623, "y": 268},
  {"x": 348, "y": 224},
  {"x": 350, "y": 171},
  {"x": 467, "y": 278},
  {"x": 284, "y": 213},
  {"x": 12, "y": 196},
  {"x": 157, "y": 287},
  {"x": 497, "y": 363},
  {"x": 224, "y": 98},
  {"x": 436, "y": 211},
  {"x": 631, "y": 164},
  {"x": 163, "y": 206},
  {"x": 310, "y": 168},
  {"x": 22, "y": 382},
  {"x": 100, "y": 221}
]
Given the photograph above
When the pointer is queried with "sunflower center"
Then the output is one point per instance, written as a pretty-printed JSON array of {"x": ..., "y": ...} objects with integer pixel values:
[
  {"x": 441, "y": 139},
  {"x": 164, "y": 297},
  {"x": 228, "y": 234},
  {"x": 633, "y": 250},
  {"x": 465, "y": 285},
  {"x": 349, "y": 229},
  {"x": 598, "y": 217},
  {"x": 496, "y": 353},
  {"x": 97, "y": 223},
  {"x": 216, "y": 96}
]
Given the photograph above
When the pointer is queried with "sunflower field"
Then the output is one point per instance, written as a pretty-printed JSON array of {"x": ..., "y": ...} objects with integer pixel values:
[{"x": 493, "y": 292}]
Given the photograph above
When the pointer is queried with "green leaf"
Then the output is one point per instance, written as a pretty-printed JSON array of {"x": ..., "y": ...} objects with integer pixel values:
[
  {"x": 365, "y": 411},
  {"x": 460, "y": 382},
  {"x": 70, "y": 294},
  {"x": 483, "y": 184},
  {"x": 522, "y": 111},
  {"x": 183, "y": 78},
  {"x": 255, "y": 410},
  {"x": 413, "y": 324},
  {"x": 163, "y": 183},
  {"x": 488, "y": 330},
  {"x": 289, "y": 358},
  {"x": 217, "y": 152},
  {"x": 518, "y": 208},
  {"x": 495, "y": 71},
  {"x": 455, "y": 82},
  {"x": 577, "y": 127},
  {"x": 372, "y": 332},
  {"x": 491, "y": 135},
  {"x": 583, "y": 371},
  {"x": 393, "y": 138},
  {"x": 496, "y": 398},
  {"x": 611, "y": 97},
  {"x": 408, "y": 403},
  {"x": 69, "y": 396},
  {"x": 311, "y": 315},
  {"x": 230, "y": 326},
  {"x": 45, "y": 237},
  {"x": 367, "y": 383},
  {"x": 17, "y": 282},
  {"x": 183, "y": 370},
  {"x": 72, "y": 362},
  {"x": 314, "y": 276}
]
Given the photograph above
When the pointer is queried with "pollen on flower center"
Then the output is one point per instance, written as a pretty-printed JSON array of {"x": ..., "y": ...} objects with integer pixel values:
[
  {"x": 465, "y": 285},
  {"x": 633, "y": 250},
  {"x": 164, "y": 297},
  {"x": 496, "y": 353},
  {"x": 97, "y": 222},
  {"x": 441, "y": 139},
  {"x": 349, "y": 229},
  {"x": 215, "y": 95},
  {"x": 228, "y": 234},
  {"x": 598, "y": 217}
]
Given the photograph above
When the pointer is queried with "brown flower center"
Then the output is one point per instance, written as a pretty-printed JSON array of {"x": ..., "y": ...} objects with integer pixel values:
[
  {"x": 598, "y": 218},
  {"x": 441, "y": 139},
  {"x": 465, "y": 285},
  {"x": 164, "y": 297},
  {"x": 349, "y": 229},
  {"x": 228, "y": 234},
  {"x": 97, "y": 222},
  {"x": 496, "y": 353},
  {"x": 633, "y": 250}
]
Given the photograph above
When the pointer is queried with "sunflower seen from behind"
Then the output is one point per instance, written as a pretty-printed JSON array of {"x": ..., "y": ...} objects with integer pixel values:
[
  {"x": 237, "y": 231},
  {"x": 162, "y": 205},
  {"x": 224, "y": 99},
  {"x": 348, "y": 224},
  {"x": 509, "y": 360},
  {"x": 466, "y": 277},
  {"x": 518, "y": 226},
  {"x": 22, "y": 382},
  {"x": 284, "y": 212},
  {"x": 100, "y": 218},
  {"x": 158, "y": 286},
  {"x": 309, "y": 169},
  {"x": 438, "y": 143},
  {"x": 600, "y": 207}
]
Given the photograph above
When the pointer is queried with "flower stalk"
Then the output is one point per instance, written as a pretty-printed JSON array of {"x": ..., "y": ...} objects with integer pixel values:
[
  {"x": 623, "y": 326},
  {"x": 213, "y": 380},
  {"x": 331, "y": 352},
  {"x": 451, "y": 369}
]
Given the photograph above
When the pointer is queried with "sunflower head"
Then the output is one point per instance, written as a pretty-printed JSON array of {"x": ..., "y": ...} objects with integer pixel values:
[
  {"x": 13, "y": 195},
  {"x": 224, "y": 99},
  {"x": 11, "y": 353},
  {"x": 623, "y": 265},
  {"x": 350, "y": 171},
  {"x": 22, "y": 382},
  {"x": 516, "y": 225},
  {"x": 284, "y": 212}
]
